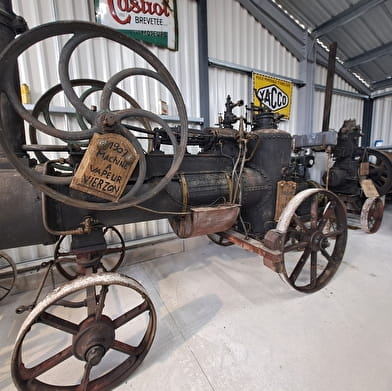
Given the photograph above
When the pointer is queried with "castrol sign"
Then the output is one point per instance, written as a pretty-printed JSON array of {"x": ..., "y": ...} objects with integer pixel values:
[
  {"x": 150, "y": 21},
  {"x": 273, "y": 93}
]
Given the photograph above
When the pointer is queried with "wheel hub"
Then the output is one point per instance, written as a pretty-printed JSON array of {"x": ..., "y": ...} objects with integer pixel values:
[
  {"x": 93, "y": 340},
  {"x": 318, "y": 241}
]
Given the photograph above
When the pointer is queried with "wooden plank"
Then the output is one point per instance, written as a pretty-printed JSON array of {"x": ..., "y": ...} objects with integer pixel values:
[
  {"x": 368, "y": 188},
  {"x": 106, "y": 167}
]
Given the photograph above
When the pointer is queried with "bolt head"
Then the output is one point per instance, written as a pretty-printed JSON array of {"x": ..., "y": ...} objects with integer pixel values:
[
  {"x": 129, "y": 159},
  {"x": 102, "y": 144},
  {"x": 94, "y": 354}
]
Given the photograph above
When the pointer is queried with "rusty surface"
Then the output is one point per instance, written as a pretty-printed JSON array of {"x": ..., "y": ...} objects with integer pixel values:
[
  {"x": 371, "y": 215},
  {"x": 106, "y": 256},
  {"x": 364, "y": 169},
  {"x": 274, "y": 239},
  {"x": 89, "y": 339},
  {"x": 284, "y": 193},
  {"x": 314, "y": 235},
  {"x": 7, "y": 274},
  {"x": 205, "y": 220},
  {"x": 271, "y": 258}
]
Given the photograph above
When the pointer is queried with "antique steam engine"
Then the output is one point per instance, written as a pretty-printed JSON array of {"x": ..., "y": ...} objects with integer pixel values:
[
  {"x": 360, "y": 176},
  {"x": 128, "y": 165}
]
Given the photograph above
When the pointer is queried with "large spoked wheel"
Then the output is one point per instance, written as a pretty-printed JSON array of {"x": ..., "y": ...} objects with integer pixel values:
[
  {"x": 371, "y": 214},
  {"x": 54, "y": 180},
  {"x": 314, "y": 228},
  {"x": 99, "y": 344},
  {"x": 108, "y": 259},
  {"x": 380, "y": 171},
  {"x": 7, "y": 275},
  {"x": 42, "y": 109}
]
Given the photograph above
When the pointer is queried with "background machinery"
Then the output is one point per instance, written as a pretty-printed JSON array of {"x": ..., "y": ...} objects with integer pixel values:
[{"x": 361, "y": 176}]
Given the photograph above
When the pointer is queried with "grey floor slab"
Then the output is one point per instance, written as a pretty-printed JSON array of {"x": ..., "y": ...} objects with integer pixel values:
[{"x": 227, "y": 323}]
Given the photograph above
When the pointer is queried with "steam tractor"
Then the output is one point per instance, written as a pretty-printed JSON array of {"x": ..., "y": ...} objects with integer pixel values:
[
  {"x": 125, "y": 165},
  {"x": 360, "y": 176}
]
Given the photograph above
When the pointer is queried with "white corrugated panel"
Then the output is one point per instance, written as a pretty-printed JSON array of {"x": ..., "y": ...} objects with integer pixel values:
[
  {"x": 343, "y": 107},
  {"x": 382, "y": 120},
  {"x": 100, "y": 60},
  {"x": 236, "y": 37}
]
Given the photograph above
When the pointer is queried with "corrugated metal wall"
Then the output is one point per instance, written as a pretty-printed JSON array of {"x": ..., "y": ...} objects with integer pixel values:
[
  {"x": 382, "y": 119},
  {"x": 38, "y": 69},
  {"x": 236, "y": 37},
  {"x": 343, "y": 107}
]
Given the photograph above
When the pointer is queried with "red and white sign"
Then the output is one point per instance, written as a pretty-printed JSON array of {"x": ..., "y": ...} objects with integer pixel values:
[{"x": 151, "y": 21}]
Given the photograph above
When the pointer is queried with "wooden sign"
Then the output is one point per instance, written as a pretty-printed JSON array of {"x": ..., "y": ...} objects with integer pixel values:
[
  {"x": 285, "y": 191},
  {"x": 106, "y": 166}
]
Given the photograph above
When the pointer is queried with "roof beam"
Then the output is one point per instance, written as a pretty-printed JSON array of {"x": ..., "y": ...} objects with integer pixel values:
[
  {"x": 378, "y": 85},
  {"x": 368, "y": 56},
  {"x": 322, "y": 59},
  {"x": 293, "y": 37},
  {"x": 349, "y": 14}
]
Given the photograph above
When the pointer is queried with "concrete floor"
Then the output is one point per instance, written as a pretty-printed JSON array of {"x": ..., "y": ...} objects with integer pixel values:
[{"x": 227, "y": 323}]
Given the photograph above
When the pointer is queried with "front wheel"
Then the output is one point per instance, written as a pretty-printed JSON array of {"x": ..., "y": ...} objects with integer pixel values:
[
  {"x": 371, "y": 214},
  {"x": 92, "y": 347},
  {"x": 314, "y": 228}
]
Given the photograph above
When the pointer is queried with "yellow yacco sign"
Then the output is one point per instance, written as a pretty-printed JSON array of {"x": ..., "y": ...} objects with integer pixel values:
[{"x": 272, "y": 92}]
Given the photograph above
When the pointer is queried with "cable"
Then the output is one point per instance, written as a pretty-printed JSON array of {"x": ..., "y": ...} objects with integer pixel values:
[{"x": 161, "y": 212}]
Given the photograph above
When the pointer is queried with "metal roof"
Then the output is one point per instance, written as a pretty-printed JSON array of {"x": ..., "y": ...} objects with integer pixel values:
[{"x": 361, "y": 28}]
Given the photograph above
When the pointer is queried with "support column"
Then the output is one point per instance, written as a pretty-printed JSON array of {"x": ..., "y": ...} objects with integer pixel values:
[
  {"x": 306, "y": 93},
  {"x": 367, "y": 120},
  {"x": 203, "y": 61}
]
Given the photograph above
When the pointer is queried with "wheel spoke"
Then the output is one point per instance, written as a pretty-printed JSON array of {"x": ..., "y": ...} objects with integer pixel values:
[
  {"x": 133, "y": 313},
  {"x": 91, "y": 300},
  {"x": 126, "y": 348},
  {"x": 328, "y": 213},
  {"x": 58, "y": 323},
  {"x": 314, "y": 212},
  {"x": 327, "y": 256},
  {"x": 86, "y": 377},
  {"x": 313, "y": 269},
  {"x": 101, "y": 302},
  {"x": 48, "y": 364},
  {"x": 295, "y": 246},
  {"x": 5, "y": 288},
  {"x": 299, "y": 266}
]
